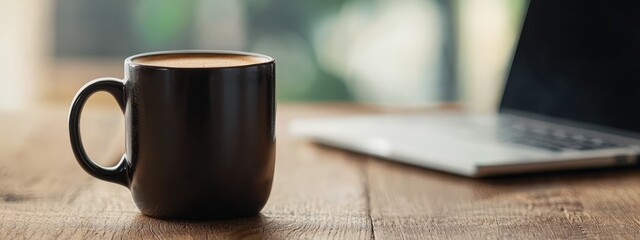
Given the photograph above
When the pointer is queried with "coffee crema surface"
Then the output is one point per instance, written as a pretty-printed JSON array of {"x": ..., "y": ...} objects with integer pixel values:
[{"x": 199, "y": 60}]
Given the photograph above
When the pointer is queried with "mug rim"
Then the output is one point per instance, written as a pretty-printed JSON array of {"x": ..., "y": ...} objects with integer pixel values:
[{"x": 129, "y": 60}]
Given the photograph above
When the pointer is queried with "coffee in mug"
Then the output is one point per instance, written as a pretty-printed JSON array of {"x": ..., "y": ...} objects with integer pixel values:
[
  {"x": 198, "y": 60},
  {"x": 199, "y": 129}
]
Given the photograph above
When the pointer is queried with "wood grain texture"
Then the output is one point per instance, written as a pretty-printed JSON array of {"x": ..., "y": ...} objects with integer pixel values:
[
  {"x": 423, "y": 204},
  {"x": 318, "y": 192},
  {"x": 44, "y": 194}
]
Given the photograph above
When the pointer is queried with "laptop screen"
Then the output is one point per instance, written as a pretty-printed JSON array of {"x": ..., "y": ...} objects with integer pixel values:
[{"x": 579, "y": 60}]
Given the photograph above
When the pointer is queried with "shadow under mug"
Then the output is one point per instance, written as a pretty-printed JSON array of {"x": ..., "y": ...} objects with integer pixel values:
[{"x": 200, "y": 142}]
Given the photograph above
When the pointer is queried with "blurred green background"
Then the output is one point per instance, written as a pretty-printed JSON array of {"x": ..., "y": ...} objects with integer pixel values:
[{"x": 400, "y": 52}]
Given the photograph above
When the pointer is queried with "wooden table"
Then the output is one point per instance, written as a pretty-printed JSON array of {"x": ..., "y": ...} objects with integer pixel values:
[{"x": 318, "y": 192}]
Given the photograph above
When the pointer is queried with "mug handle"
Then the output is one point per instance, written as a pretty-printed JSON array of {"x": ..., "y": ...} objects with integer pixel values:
[{"x": 118, "y": 173}]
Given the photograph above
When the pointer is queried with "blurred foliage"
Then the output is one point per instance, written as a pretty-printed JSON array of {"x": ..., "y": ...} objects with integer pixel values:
[{"x": 283, "y": 29}]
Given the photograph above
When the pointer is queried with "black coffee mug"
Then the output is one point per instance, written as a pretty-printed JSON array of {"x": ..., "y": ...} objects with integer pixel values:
[{"x": 200, "y": 141}]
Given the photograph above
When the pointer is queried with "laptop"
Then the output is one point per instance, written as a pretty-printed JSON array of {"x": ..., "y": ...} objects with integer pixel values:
[{"x": 572, "y": 100}]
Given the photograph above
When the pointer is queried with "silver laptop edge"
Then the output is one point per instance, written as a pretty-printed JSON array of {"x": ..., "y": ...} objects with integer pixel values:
[{"x": 324, "y": 131}]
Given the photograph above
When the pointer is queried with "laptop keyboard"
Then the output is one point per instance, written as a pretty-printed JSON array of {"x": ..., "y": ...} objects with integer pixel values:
[{"x": 551, "y": 139}]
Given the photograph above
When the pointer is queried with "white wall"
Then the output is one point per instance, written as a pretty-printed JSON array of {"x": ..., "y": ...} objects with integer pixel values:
[
  {"x": 488, "y": 32},
  {"x": 24, "y": 40}
]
